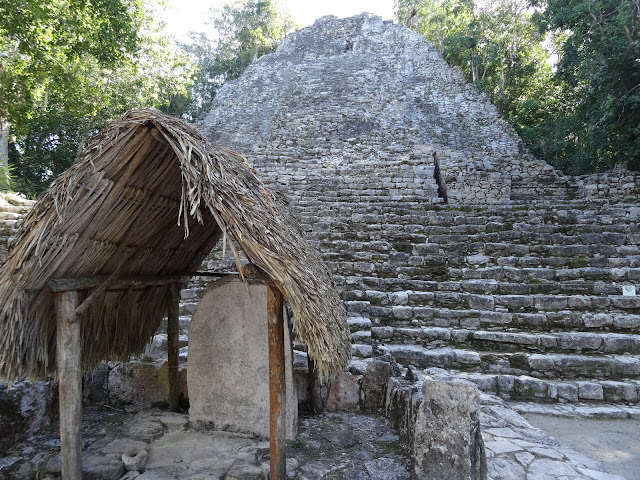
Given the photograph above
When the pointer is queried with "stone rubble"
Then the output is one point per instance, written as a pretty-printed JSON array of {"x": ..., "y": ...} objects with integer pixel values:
[{"x": 338, "y": 445}]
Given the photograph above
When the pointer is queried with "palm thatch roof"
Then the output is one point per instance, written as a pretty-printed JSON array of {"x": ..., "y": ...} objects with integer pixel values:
[{"x": 151, "y": 196}]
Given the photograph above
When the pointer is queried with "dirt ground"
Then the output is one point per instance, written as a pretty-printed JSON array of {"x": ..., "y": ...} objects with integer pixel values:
[{"x": 614, "y": 442}]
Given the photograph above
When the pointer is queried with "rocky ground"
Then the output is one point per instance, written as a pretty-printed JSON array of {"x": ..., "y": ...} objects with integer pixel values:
[{"x": 154, "y": 444}]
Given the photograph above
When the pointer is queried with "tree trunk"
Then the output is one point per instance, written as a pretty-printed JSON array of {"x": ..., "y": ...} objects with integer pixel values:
[{"x": 4, "y": 154}]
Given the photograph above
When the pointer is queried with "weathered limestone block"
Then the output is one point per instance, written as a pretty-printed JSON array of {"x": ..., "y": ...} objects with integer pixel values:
[
  {"x": 374, "y": 385},
  {"x": 590, "y": 391},
  {"x": 401, "y": 407},
  {"x": 24, "y": 410},
  {"x": 447, "y": 439},
  {"x": 228, "y": 364},
  {"x": 344, "y": 394}
]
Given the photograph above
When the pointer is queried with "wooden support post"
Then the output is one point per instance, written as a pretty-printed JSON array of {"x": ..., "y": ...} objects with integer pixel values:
[
  {"x": 277, "y": 387},
  {"x": 68, "y": 358},
  {"x": 173, "y": 326},
  {"x": 315, "y": 406}
]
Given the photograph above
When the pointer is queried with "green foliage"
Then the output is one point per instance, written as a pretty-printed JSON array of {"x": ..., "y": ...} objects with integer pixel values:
[
  {"x": 496, "y": 46},
  {"x": 48, "y": 146},
  {"x": 301, "y": 441},
  {"x": 584, "y": 117},
  {"x": 244, "y": 30},
  {"x": 598, "y": 124},
  {"x": 69, "y": 66}
]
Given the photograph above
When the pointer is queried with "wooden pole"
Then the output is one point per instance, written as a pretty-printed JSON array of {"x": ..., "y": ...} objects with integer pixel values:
[
  {"x": 173, "y": 326},
  {"x": 314, "y": 397},
  {"x": 277, "y": 386},
  {"x": 68, "y": 358}
]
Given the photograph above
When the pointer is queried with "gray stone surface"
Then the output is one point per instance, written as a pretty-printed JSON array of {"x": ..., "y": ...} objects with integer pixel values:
[
  {"x": 448, "y": 443},
  {"x": 344, "y": 394},
  {"x": 228, "y": 365},
  {"x": 374, "y": 385},
  {"x": 344, "y": 95},
  {"x": 336, "y": 446}
]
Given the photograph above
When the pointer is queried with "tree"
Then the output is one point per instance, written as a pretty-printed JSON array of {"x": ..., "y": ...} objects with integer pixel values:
[
  {"x": 496, "y": 45},
  {"x": 585, "y": 116},
  {"x": 242, "y": 32},
  {"x": 599, "y": 69},
  {"x": 67, "y": 67}
]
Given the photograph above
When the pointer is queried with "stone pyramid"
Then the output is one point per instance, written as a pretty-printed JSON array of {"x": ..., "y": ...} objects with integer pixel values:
[{"x": 370, "y": 109}]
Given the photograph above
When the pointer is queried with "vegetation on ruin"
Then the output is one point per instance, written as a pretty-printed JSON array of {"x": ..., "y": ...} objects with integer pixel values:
[{"x": 564, "y": 73}]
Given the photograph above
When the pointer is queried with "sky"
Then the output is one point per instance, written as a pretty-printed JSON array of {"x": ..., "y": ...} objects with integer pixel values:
[{"x": 183, "y": 16}]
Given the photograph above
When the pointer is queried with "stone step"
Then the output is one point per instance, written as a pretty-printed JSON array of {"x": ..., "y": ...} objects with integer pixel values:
[
  {"x": 183, "y": 322},
  {"x": 438, "y": 267},
  {"x": 529, "y": 322},
  {"x": 595, "y": 410},
  {"x": 510, "y": 273},
  {"x": 537, "y": 219},
  {"x": 573, "y": 236},
  {"x": 358, "y": 323},
  {"x": 402, "y": 311},
  {"x": 157, "y": 347},
  {"x": 539, "y": 365},
  {"x": 9, "y": 215},
  {"x": 188, "y": 308},
  {"x": 378, "y": 291},
  {"x": 472, "y": 251},
  {"x": 525, "y": 388},
  {"x": 425, "y": 195},
  {"x": 191, "y": 294},
  {"x": 509, "y": 341},
  {"x": 570, "y": 238}
]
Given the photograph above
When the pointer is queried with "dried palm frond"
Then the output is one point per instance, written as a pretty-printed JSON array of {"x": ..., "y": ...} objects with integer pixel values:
[{"x": 151, "y": 196}]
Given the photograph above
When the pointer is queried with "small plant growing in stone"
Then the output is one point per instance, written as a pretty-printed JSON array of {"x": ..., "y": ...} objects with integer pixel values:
[{"x": 301, "y": 441}]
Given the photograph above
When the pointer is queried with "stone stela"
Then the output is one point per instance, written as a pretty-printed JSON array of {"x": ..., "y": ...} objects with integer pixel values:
[{"x": 228, "y": 363}]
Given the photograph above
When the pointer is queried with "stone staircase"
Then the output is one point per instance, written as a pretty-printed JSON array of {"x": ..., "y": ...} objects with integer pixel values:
[
  {"x": 12, "y": 208},
  {"x": 524, "y": 299},
  {"x": 395, "y": 174}
]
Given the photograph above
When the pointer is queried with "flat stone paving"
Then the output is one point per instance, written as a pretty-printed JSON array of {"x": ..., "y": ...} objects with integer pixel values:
[
  {"x": 331, "y": 446},
  {"x": 516, "y": 450},
  {"x": 599, "y": 432}
]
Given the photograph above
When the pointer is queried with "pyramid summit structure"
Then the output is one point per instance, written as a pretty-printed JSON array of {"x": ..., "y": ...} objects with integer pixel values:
[{"x": 366, "y": 100}]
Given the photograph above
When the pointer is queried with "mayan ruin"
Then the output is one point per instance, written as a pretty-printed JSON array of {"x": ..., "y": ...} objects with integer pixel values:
[{"x": 483, "y": 288}]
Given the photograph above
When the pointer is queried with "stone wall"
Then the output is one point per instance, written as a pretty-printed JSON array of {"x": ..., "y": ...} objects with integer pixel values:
[{"x": 618, "y": 183}]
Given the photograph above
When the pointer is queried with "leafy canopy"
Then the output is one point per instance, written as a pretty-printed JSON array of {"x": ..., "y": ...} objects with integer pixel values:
[
  {"x": 599, "y": 71},
  {"x": 582, "y": 117},
  {"x": 68, "y": 66}
]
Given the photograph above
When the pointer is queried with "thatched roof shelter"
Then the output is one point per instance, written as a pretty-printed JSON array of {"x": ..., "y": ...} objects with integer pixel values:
[{"x": 150, "y": 197}]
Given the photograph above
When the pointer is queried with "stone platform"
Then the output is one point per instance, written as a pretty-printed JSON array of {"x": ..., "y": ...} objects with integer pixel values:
[{"x": 337, "y": 446}]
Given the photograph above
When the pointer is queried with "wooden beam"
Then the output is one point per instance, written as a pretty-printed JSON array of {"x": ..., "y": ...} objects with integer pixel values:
[
  {"x": 68, "y": 363},
  {"x": 277, "y": 386},
  {"x": 84, "y": 283},
  {"x": 173, "y": 313}
]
